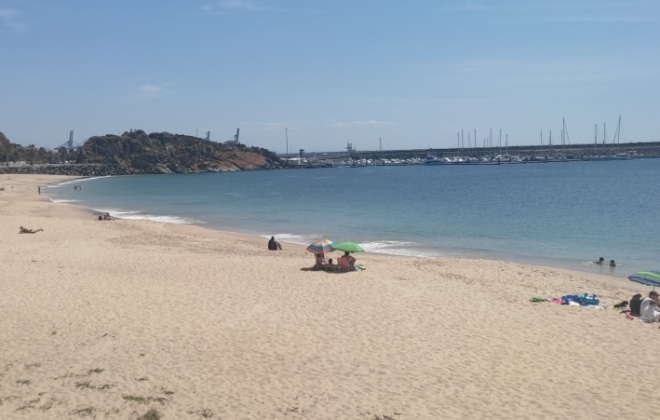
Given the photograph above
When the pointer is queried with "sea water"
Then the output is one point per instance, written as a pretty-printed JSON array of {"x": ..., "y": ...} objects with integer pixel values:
[{"x": 564, "y": 214}]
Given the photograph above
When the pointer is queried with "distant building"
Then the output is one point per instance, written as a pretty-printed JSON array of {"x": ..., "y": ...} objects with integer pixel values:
[{"x": 296, "y": 161}]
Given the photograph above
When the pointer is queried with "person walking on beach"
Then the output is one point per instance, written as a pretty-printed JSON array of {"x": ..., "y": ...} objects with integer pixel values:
[
  {"x": 273, "y": 245},
  {"x": 39, "y": 189}
]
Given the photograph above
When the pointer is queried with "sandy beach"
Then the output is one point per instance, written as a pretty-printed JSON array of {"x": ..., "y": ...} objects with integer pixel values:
[{"x": 135, "y": 319}]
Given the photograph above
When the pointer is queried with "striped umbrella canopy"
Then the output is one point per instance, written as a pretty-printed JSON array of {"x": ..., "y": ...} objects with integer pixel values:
[
  {"x": 322, "y": 245},
  {"x": 648, "y": 278}
]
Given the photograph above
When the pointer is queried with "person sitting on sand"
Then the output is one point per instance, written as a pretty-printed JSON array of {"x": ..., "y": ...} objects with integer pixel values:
[
  {"x": 319, "y": 261},
  {"x": 26, "y": 230},
  {"x": 273, "y": 245},
  {"x": 649, "y": 308},
  {"x": 350, "y": 259},
  {"x": 330, "y": 266}
]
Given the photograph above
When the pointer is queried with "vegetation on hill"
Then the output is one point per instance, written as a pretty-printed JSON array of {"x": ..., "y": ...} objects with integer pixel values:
[{"x": 136, "y": 152}]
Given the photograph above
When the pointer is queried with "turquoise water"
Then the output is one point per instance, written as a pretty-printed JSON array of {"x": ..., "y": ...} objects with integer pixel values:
[{"x": 558, "y": 214}]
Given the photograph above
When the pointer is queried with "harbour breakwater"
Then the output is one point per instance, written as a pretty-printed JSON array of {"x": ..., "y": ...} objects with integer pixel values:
[{"x": 529, "y": 153}]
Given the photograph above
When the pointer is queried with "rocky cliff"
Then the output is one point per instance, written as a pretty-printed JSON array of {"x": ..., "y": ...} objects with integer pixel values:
[
  {"x": 136, "y": 152},
  {"x": 139, "y": 153}
]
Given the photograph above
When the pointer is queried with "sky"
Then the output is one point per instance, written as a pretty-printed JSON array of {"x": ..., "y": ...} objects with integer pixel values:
[{"x": 317, "y": 75}]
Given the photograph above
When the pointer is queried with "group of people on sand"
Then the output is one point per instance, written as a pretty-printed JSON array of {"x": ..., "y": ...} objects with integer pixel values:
[
  {"x": 646, "y": 308},
  {"x": 105, "y": 216},
  {"x": 344, "y": 263},
  {"x": 601, "y": 261}
]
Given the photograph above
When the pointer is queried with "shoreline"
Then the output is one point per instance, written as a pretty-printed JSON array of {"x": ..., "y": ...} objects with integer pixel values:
[
  {"x": 115, "y": 319},
  {"x": 584, "y": 266}
]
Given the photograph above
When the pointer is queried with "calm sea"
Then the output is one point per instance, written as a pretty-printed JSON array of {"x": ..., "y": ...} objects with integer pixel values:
[{"x": 558, "y": 214}]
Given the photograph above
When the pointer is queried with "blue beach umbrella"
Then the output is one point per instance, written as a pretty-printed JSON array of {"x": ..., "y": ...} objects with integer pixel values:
[{"x": 647, "y": 278}]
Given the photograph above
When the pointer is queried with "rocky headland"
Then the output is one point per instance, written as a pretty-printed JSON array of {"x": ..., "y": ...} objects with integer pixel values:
[{"x": 136, "y": 152}]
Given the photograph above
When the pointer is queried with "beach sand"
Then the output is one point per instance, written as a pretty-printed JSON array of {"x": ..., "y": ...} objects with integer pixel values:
[{"x": 134, "y": 319}]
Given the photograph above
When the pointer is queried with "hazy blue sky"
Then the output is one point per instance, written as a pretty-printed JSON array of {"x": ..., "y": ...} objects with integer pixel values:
[{"x": 412, "y": 73}]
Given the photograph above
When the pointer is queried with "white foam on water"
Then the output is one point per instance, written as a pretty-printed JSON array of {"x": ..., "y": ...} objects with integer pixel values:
[
  {"x": 76, "y": 181},
  {"x": 94, "y": 178},
  {"x": 151, "y": 217},
  {"x": 390, "y": 247},
  {"x": 136, "y": 215},
  {"x": 289, "y": 238}
]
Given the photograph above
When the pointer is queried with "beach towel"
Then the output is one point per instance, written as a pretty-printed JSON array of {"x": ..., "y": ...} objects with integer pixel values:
[
  {"x": 588, "y": 299},
  {"x": 567, "y": 299}
]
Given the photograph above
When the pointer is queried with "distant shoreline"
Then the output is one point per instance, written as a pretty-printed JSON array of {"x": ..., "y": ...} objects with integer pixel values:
[{"x": 177, "y": 223}]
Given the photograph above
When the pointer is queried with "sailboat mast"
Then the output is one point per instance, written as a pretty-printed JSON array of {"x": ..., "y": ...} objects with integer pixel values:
[
  {"x": 595, "y": 134},
  {"x": 617, "y": 134}
]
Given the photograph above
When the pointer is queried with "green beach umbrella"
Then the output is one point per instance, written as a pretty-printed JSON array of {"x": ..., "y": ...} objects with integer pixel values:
[
  {"x": 647, "y": 278},
  {"x": 348, "y": 247}
]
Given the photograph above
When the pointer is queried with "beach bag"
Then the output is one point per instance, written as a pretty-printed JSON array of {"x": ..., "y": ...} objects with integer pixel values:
[
  {"x": 588, "y": 299},
  {"x": 635, "y": 304}
]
